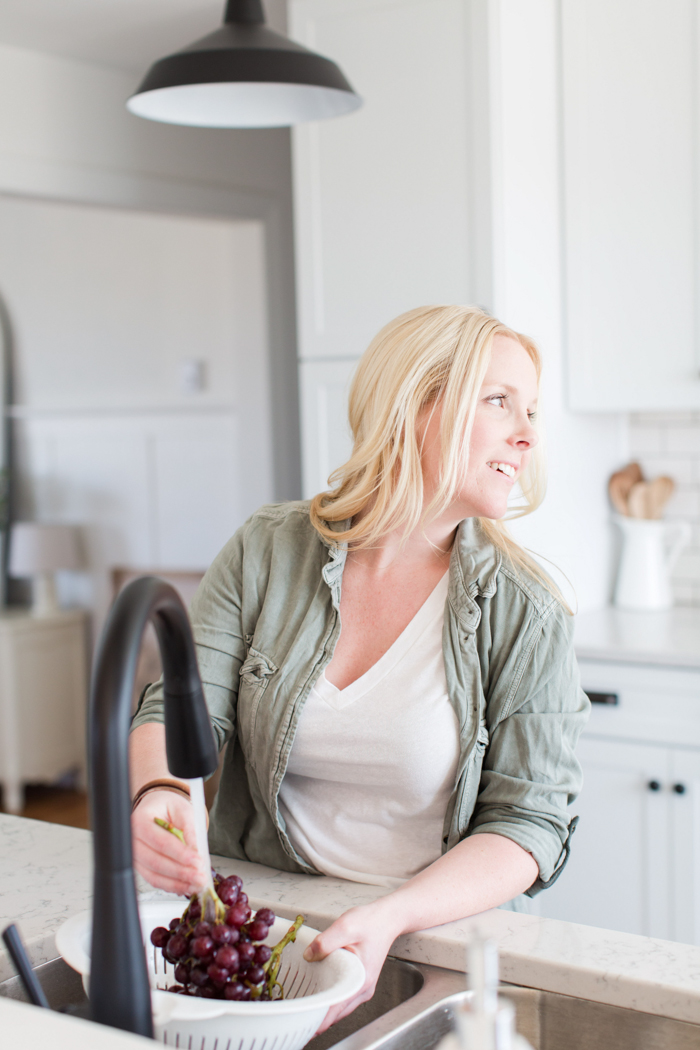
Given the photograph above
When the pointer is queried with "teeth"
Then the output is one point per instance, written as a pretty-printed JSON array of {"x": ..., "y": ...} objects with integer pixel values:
[{"x": 505, "y": 468}]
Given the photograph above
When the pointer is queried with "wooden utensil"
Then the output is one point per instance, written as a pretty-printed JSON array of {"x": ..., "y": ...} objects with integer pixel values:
[
  {"x": 637, "y": 500},
  {"x": 620, "y": 485},
  {"x": 647, "y": 499},
  {"x": 660, "y": 492}
]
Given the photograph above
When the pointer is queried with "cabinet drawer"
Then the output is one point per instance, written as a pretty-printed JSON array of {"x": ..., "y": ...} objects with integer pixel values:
[{"x": 654, "y": 704}]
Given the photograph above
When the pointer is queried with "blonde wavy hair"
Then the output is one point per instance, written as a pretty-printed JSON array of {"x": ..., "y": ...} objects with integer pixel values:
[{"x": 430, "y": 354}]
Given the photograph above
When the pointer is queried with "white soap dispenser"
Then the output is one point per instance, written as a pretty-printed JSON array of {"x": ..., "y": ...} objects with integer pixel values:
[{"x": 486, "y": 1021}]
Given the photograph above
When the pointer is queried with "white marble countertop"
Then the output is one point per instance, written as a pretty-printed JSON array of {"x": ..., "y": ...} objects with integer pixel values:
[
  {"x": 45, "y": 878},
  {"x": 670, "y": 638}
]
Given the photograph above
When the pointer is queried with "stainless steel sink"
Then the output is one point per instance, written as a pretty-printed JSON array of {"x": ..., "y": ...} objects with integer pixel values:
[
  {"x": 414, "y": 1007},
  {"x": 547, "y": 1020},
  {"x": 63, "y": 986},
  {"x": 399, "y": 982}
]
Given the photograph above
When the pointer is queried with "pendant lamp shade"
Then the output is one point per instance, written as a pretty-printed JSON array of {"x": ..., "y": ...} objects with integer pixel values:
[{"x": 243, "y": 75}]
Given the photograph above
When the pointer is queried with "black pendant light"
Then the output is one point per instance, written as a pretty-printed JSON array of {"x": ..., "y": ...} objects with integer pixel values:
[{"x": 244, "y": 75}]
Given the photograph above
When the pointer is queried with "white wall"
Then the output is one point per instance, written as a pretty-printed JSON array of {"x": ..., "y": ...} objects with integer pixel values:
[
  {"x": 106, "y": 306},
  {"x": 66, "y": 135},
  {"x": 108, "y": 303}
]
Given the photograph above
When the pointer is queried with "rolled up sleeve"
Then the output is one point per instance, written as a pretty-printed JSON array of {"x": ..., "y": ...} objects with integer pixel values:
[
  {"x": 215, "y": 614},
  {"x": 530, "y": 773}
]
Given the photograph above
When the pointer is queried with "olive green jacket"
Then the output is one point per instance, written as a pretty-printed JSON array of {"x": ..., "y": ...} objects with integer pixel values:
[{"x": 266, "y": 620}]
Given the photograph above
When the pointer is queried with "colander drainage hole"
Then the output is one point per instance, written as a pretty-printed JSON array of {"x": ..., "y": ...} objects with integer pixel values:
[{"x": 290, "y": 993}]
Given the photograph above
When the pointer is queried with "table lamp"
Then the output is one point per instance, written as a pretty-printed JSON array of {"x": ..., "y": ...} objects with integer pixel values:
[{"x": 38, "y": 551}]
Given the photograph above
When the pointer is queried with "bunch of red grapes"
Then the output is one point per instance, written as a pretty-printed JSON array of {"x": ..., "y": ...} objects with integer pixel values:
[{"x": 220, "y": 960}]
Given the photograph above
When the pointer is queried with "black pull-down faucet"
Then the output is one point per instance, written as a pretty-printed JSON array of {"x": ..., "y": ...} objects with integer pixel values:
[{"x": 119, "y": 989}]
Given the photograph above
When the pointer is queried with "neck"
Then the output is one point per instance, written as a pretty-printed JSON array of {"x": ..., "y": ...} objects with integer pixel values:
[{"x": 425, "y": 545}]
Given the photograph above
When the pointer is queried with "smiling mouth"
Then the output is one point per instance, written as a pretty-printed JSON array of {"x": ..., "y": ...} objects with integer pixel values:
[{"x": 503, "y": 468}]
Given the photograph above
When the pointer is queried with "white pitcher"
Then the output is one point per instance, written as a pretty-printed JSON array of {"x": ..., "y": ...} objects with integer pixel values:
[{"x": 649, "y": 551}]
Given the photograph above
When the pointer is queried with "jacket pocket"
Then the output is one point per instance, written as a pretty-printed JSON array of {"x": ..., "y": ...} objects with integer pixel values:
[{"x": 254, "y": 676}]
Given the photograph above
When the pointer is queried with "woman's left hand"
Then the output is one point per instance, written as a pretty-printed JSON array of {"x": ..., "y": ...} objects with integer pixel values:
[{"x": 369, "y": 931}]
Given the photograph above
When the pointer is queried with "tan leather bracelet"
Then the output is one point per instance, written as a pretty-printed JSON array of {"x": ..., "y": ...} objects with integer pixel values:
[{"x": 159, "y": 785}]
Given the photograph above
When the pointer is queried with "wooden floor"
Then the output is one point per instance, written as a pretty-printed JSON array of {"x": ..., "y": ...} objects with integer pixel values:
[{"x": 57, "y": 805}]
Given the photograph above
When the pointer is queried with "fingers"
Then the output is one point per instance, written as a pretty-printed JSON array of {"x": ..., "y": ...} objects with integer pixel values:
[
  {"x": 314, "y": 952},
  {"x": 363, "y": 932},
  {"x": 159, "y": 855},
  {"x": 336, "y": 1013},
  {"x": 164, "y": 873},
  {"x": 336, "y": 936}
]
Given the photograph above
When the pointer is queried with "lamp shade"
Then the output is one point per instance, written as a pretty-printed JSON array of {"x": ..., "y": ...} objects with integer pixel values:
[
  {"x": 243, "y": 75},
  {"x": 36, "y": 548}
]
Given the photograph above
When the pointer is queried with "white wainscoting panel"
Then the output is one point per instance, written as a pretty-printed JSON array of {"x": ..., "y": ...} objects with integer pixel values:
[
  {"x": 197, "y": 483},
  {"x": 325, "y": 434},
  {"x": 152, "y": 491}
]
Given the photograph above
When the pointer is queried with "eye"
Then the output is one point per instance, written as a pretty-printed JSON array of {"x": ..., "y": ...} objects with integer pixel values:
[
  {"x": 496, "y": 399},
  {"x": 532, "y": 416}
]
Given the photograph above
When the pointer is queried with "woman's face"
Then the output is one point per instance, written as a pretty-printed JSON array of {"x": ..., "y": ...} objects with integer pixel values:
[{"x": 502, "y": 438}]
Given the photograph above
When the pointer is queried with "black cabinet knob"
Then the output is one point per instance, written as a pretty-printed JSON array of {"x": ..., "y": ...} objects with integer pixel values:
[
  {"x": 654, "y": 785},
  {"x": 679, "y": 789}
]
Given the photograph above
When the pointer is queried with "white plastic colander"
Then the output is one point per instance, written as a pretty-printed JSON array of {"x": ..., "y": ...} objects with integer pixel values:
[{"x": 213, "y": 1024}]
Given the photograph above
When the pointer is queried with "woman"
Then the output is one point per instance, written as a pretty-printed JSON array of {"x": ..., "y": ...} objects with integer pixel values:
[{"x": 428, "y": 746}]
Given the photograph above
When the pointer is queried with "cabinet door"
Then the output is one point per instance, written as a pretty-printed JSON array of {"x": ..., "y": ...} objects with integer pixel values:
[
  {"x": 616, "y": 877},
  {"x": 631, "y": 203},
  {"x": 684, "y": 804},
  {"x": 382, "y": 196}
]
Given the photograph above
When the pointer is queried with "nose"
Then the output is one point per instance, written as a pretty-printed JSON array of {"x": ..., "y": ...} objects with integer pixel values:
[{"x": 526, "y": 436}]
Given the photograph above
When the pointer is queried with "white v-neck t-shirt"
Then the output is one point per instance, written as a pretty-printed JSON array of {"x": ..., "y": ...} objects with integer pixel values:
[{"x": 373, "y": 766}]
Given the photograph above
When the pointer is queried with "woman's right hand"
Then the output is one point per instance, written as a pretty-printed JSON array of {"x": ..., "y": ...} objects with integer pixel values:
[{"x": 160, "y": 856}]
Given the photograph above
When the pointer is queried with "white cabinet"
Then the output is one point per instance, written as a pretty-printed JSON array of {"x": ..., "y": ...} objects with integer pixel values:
[
  {"x": 382, "y": 204},
  {"x": 43, "y": 691},
  {"x": 685, "y": 845},
  {"x": 630, "y": 138},
  {"x": 384, "y": 199},
  {"x": 635, "y": 857},
  {"x": 614, "y": 878}
]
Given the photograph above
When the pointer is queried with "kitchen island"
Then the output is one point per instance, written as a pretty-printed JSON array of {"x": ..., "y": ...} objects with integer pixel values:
[{"x": 45, "y": 878}]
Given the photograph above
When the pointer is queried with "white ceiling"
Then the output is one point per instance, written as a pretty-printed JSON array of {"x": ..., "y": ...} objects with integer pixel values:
[{"x": 123, "y": 34}]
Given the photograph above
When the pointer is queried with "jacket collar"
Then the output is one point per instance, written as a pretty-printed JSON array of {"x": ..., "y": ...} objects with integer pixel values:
[{"x": 474, "y": 567}]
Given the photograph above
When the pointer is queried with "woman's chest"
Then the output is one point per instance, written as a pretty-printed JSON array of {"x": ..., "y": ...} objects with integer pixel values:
[
  {"x": 374, "y": 613},
  {"x": 395, "y": 726}
]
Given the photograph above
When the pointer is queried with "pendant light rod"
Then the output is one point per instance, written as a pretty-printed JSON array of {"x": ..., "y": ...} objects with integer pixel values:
[{"x": 245, "y": 12}]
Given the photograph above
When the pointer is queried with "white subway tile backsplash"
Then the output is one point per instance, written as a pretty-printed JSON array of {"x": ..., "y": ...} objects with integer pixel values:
[
  {"x": 684, "y": 503},
  {"x": 681, "y": 468},
  {"x": 683, "y": 440},
  {"x": 646, "y": 440},
  {"x": 669, "y": 443},
  {"x": 688, "y": 566}
]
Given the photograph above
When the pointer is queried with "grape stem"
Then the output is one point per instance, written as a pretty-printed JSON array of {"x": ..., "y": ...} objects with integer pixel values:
[
  {"x": 167, "y": 826},
  {"x": 213, "y": 908},
  {"x": 272, "y": 966}
]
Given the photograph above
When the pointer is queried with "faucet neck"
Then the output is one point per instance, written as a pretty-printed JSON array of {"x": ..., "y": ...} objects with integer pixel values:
[{"x": 119, "y": 987}]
